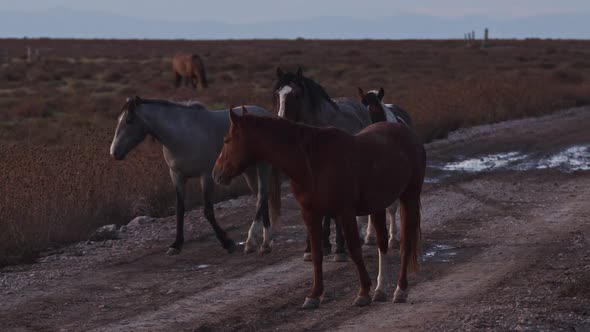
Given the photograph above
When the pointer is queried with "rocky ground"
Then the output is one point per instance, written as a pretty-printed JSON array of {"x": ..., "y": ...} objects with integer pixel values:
[{"x": 506, "y": 247}]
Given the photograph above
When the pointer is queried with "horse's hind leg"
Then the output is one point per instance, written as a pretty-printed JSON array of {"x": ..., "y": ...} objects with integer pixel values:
[
  {"x": 255, "y": 230},
  {"x": 207, "y": 188},
  {"x": 179, "y": 182},
  {"x": 177, "y": 79},
  {"x": 370, "y": 236},
  {"x": 391, "y": 211},
  {"x": 326, "y": 245},
  {"x": 353, "y": 242},
  {"x": 409, "y": 243},
  {"x": 307, "y": 250},
  {"x": 194, "y": 80},
  {"x": 340, "y": 255},
  {"x": 379, "y": 223},
  {"x": 262, "y": 211}
]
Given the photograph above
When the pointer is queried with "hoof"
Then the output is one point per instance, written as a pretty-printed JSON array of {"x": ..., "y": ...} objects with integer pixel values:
[
  {"x": 340, "y": 257},
  {"x": 379, "y": 296},
  {"x": 172, "y": 251},
  {"x": 311, "y": 303},
  {"x": 229, "y": 245},
  {"x": 307, "y": 257},
  {"x": 362, "y": 301},
  {"x": 370, "y": 241},
  {"x": 248, "y": 249},
  {"x": 265, "y": 249},
  {"x": 400, "y": 296}
]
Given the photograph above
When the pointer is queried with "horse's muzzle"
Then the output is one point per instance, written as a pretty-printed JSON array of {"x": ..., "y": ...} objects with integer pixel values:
[
  {"x": 219, "y": 178},
  {"x": 118, "y": 155}
]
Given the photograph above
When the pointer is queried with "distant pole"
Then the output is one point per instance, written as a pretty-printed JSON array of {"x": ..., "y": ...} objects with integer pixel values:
[{"x": 484, "y": 42}]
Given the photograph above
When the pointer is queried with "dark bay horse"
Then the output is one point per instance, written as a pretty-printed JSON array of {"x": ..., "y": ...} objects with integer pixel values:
[
  {"x": 301, "y": 99},
  {"x": 381, "y": 112},
  {"x": 192, "y": 137},
  {"x": 189, "y": 67},
  {"x": 336, "y": 174}
]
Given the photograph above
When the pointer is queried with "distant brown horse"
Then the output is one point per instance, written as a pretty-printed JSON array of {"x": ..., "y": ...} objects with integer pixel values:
[
  {"x": 340, "y": 175},
  {"x": 191, "y": 68}
]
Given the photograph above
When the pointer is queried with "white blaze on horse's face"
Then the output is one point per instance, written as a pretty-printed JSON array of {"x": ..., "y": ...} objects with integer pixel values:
[{"x": 283, "y": 92}]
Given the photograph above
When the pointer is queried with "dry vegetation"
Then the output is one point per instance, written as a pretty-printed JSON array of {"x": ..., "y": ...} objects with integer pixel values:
[{"x": 57, "y": 116}]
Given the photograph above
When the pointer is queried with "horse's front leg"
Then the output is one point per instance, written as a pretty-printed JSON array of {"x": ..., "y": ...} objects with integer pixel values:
[
  {"x": 313, "y": 223},
  {"x": 353, "y": 241},
  {"x": 179, "y": 182},
  {"x": 207, "y": 188}
]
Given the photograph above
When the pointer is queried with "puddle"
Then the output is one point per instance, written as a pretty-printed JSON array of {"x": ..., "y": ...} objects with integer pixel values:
[
  {"x": 574, "y": 158},
  {"x": 485, "y": 163},
  {"x": 440, "y": 253},
  {"x": 196, "y": 267}
]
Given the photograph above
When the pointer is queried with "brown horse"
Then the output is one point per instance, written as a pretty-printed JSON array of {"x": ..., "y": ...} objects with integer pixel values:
[
  {"x": 340, "y": 175},
  {"x": 191, "y": 68},
  {"x": 380, "y": 112}
]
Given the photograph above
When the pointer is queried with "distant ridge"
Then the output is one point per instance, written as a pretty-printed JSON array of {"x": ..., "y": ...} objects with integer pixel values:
[{"x": 65, "y": 23}]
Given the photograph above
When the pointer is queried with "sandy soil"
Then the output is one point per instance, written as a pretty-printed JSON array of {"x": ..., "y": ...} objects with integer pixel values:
[{"x": 506, "y": 247}]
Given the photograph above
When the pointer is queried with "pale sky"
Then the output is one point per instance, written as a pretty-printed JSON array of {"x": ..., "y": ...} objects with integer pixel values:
[{"x": 249, "y": 11}]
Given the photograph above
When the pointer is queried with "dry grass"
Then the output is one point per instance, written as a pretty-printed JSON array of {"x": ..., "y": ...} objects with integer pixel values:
[{"x": 57, "y": 116}]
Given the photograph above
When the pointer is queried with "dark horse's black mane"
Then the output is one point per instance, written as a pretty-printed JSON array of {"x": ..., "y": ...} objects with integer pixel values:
[{"x": 315, "y": 91}]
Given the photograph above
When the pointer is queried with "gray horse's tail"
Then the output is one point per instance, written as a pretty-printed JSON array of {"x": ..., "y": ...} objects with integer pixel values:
[
  {"x": 199, "y": 70},
  {"x": 275, "y": 196}
]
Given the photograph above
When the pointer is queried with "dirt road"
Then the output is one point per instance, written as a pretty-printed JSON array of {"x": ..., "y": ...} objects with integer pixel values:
[{"x": 506, "y": 234}]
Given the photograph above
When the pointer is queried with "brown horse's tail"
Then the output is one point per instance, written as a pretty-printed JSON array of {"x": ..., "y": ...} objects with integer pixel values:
[
  {"x": 199, "y": 70},
  {"x": 411, "y": 233},
  {"x": 275, "y": 196}
]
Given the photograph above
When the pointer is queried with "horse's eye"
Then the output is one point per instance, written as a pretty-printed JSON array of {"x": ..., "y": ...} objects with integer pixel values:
[{"x": 226, "y": 140}]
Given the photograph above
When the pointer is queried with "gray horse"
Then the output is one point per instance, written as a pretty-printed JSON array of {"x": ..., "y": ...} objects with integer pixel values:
[
  {"x": 192, "y": 137},
  {"x": 301, "y": 99}
]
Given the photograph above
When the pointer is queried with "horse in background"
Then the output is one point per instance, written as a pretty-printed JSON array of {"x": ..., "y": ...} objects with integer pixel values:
[
  {"x": 189, "y": 67},
  {"x": 301, "y": 99},
  {"x": 381, "y": 112},
  {"x": 191, "y": 138},
  {"x": 333, "y": 173}
]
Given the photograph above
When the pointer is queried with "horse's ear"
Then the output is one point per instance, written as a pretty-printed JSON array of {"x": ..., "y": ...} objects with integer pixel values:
[
  {"x": 244, "y": 110},
  {"x": 233, "y": 117},
  {"x": 280, "y": 73},
  {"x": 381, "y": 94},
  {"x": 361, "y": 93},
  {"x": 299, "y": 72}
]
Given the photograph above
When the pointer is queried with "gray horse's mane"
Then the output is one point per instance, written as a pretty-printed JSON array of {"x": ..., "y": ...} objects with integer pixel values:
[{"x": 164, "y": 102}]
